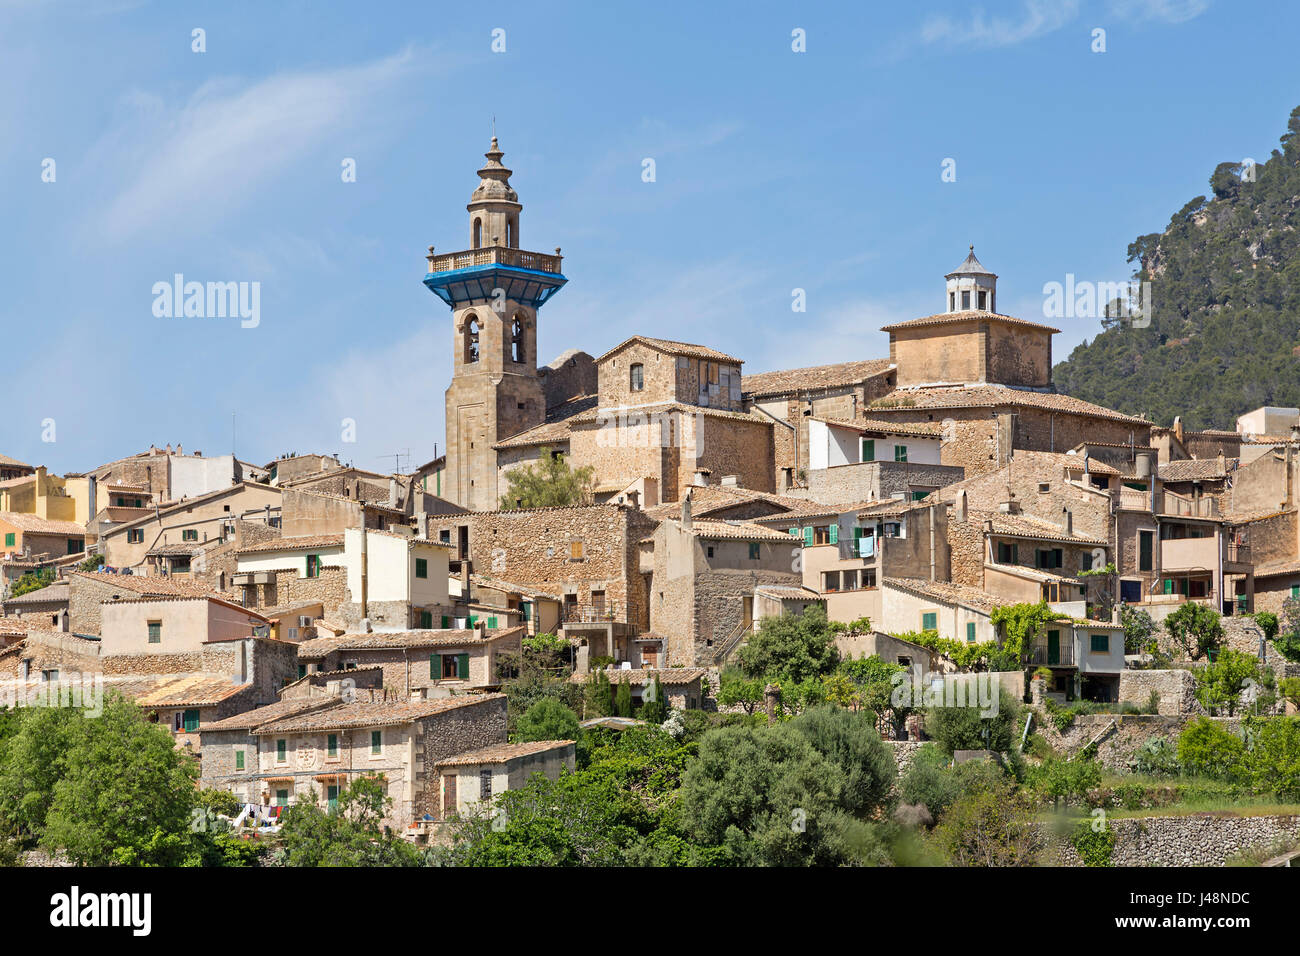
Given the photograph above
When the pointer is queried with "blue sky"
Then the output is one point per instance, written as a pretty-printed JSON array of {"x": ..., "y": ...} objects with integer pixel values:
[{"x": 775, "y": 170}]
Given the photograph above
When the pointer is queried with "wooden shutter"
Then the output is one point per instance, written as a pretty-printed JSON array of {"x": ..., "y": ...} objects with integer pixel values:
[
  {"x": 868, "y": 449},
  {"x": 834, "y": 532},
  {"x": 435, "y": 663},
  {"x": 808, "y": 537},
  {"x": 462, "y": 666}
]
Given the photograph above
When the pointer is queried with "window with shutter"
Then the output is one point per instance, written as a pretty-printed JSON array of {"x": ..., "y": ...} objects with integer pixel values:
[
  {"x": 239, "y": 760},
  {"x": 930, "y": 621},
  {"x": 421, "y": 568},
  {"x": 462, "y": 666},
  {"x": 9, "y": 539},
  {"x": 868, "y": 449},
  {"x": 376, "y": 742},
  {"x": 970, "y": 632},
  {"x": 435, "y": 667},
  {"x": 1100, "y": 643},
  {"x": 834, "y": 534},
  {"x": 281, "y": 751},
  {"x": 807, "y": 537},
  {"x": 191, "y": 721},
  {"x": 900, "y": 453},
  {"x": 332, "y": 745}
]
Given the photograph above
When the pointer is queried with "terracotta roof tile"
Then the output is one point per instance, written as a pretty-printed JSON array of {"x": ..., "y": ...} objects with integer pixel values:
[
  {"x": 386, "y": 713},
  {"x": 499, "y": 753},
  {"x": 992, "y": 396},
  {"x": 32, "y": 524},
  {"x": 674, "y": 348},
  {"x": 950, "y": 318},
  {"x": 303, "y": 542},
  {"x": 812, "y": 379}
]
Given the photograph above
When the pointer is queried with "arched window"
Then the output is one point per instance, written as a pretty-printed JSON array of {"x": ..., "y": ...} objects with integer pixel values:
[
  {"x": 517, "y": 341},
  {"x": 471, "y": 340},
  {"x": 478, "y": 233},
  {"x": 636, "y": 377}
]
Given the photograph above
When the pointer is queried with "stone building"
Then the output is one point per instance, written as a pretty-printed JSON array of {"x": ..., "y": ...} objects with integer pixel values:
[
  {"x": 472, "y": 780},
  {"x": 587, "y": 556},
  {"x": 317, "y": 746},
  {"x": 88, "y": 591},
  {"x": 205, "y": 519},
  {"x": 432, "y": 663},
  {"x": 703, "y": 575},
  {"x": 30, "y": 536}
]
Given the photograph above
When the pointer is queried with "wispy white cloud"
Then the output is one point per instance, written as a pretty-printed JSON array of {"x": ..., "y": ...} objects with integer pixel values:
[
  {"x": 212, "y": 155},
  {"x": 1166, "y": 11},
  {"x": 1035, "y": 19}
]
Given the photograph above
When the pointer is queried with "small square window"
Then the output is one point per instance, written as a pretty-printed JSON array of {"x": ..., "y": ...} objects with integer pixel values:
[
  {"x": 575, "y": 550},
  {"x": 930, "y": 621},
  {"x": 155, "y": 632},
  {"x": 1100, "y": 643},
  {"x": 755, "y": 550},
  {"x": 421, "y": 567},
  {"x": 900, "y": 453}
]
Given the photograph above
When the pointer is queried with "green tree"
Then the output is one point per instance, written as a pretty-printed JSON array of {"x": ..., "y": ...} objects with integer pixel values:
[
  {"x": 598, "y": 700},
  {"x": 1196, "y": 629},
  {"x": 548, "y": 719},
  {"x": 125, "y": 795},
  {"x": 1272, "y": 763},
  {"x": 1139, "y": 630},
  {"x": 32, "y": 581},
  {"x": 1205, "y": 749},
  {"x": 790, "y": 648},
  {"x": 966, "y": 728},
  {"x": 351, "y": 835},
  {"x": 1219, "y": 684},
  {"x": 989, "y": 826},
  {"x": 737, "y": 689},
  {"x": 795, "y": 793},
  {"x": 1057, "y": 780},
  {"x": 32, "y": 760},
  {"x": 547, "y": 483},
  {"x": 655, "y": 709},
  {"x": 623, "y": 699}
]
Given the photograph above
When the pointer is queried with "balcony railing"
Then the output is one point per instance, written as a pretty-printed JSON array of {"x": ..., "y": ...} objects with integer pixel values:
[
  {"x": 493, "y": 256},
  {"x": 1044, "y": 656}
]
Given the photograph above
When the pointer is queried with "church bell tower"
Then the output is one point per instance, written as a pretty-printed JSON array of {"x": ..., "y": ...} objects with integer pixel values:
[{"x": 494, "y": 290}]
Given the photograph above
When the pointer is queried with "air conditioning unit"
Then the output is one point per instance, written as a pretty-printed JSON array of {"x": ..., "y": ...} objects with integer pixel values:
[{"x": 304, "y": 620}]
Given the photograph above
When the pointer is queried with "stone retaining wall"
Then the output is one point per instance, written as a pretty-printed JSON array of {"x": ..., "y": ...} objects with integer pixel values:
[{"x": 1200, "y": 840}]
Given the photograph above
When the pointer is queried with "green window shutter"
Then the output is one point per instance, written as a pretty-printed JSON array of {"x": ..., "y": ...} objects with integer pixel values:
[
  {"x": 754, "y": 551},
  {"x": 332, "y": 798},
  {"x": 446, "y": 622},
  {"x": 930, "y": 621},
  {"x": 807, "y": 537},
  {"x": 1169, "y": 585},
  {"x": 1053, "y": 647},
  {"x": 1295, "y": 590},
  {"x": 526, "y": 610},
  {"x": 9, "y": 539},
  {"x": 970, "y": 632},
  {"x": 1101, "y": 643},
  {"x": 435, "y": 664},
  {"x": 376, "y": 741},
  {"x": 190, "y": 721},
  {"x": 492, "y": 622},
  {"x": 280, "y": 751},
  {"x": 900, "y": 453},
  {"x": 239, "y": 760},
  {"x": 426, "y": 619},
  {"x": 332, "y": 745},
  {"x": 835, "y": 534},
  {"x": 868, "y": 449},
  {"x": 282, "y": 798},
  {"x": 462, "y": 666},
  {"x": 421, "y": 568}
]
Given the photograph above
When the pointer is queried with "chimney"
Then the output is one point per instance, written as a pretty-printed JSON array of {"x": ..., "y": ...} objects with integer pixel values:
[
  {"x": 394, "y": 493},
  {"x": 1068, "y": 520},
  {"x": 1008, "y": 505},
  {"x": 634, "y": 499},
  {"x": 730, "y": 481},
  {"x": 702, "y": 477},
  {"x": 1178, "y": 428},
  {"x": 687, "y": 524},
  {"x": 422, "y": 525},
  {"x": 959, "y": 512},
  {"x": 63, "y": 621},
  {"x": 179, "y": 451}
]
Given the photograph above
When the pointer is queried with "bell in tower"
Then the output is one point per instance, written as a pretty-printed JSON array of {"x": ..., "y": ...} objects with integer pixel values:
[{"x": 494, "y": 290}]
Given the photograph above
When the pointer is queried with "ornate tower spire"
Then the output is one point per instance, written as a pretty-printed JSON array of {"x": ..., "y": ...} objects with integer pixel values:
[
  {"x": 494, "y": 207},
  {"x": 494, "y": 289}
]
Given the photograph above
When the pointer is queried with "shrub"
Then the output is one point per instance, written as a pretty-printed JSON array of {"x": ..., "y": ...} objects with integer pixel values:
[
  {"x": 1157, "y": 757},
  {"x": 963, "y": 728},
  {"x": 1206, "y": 749}
]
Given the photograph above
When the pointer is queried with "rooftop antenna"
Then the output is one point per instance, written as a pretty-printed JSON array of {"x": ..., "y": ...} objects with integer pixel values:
[{"x": 398, "y": 458}]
